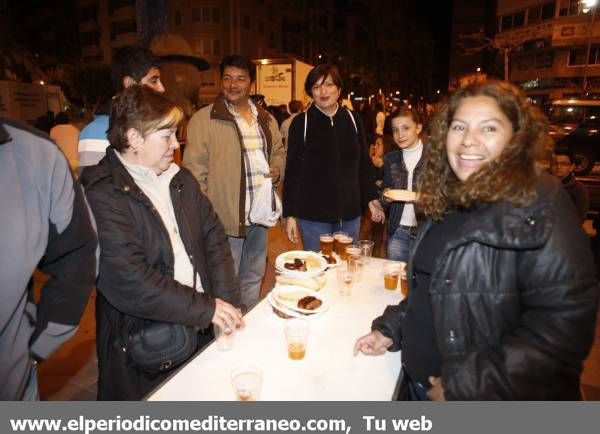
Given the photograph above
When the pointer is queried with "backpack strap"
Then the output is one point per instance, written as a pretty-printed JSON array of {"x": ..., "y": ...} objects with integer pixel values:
[
  {"x": 305, "y": 125},
  {"x": 351, "y": 117}
]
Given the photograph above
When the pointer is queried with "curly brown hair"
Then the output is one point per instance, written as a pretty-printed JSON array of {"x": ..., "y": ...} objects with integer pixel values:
[{"x": 510, "y": 177}]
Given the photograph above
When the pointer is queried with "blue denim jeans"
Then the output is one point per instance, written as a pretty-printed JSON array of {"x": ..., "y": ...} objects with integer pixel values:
[
  {"x": 250, "y": 258},
  {"x": 398, "y": 244},
  {"x": 310, "y": 231}
]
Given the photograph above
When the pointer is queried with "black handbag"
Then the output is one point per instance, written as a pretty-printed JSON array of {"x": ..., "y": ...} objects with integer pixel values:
[
  {"x": 158, "y": 347},
  {"x": 405, "y": 388}
]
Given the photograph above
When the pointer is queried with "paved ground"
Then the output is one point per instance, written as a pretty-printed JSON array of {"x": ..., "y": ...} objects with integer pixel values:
[{"x": 71, "y": 373}]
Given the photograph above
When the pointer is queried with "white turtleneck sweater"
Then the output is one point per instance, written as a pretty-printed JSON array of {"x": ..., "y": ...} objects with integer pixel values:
[
  {"x": 411, "y": 158},
  {"x": 156, "y": 187}
]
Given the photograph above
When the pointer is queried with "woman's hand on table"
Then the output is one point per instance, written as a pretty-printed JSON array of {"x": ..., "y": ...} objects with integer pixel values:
[
  {"x": 291, "y": 229},
  {"x": 436, "y": 393},
  {"x": 377, "y": 212},
  {"x": 227, "y": 316},
  {"x": 373, "y": 344}
]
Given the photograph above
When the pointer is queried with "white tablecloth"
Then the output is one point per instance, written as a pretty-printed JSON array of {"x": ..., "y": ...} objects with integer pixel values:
[{"x": 328, "y": 372}]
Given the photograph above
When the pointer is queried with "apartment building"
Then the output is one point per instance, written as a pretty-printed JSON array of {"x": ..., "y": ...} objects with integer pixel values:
[
  {"x": 548, "y": 42},
  {"x": 211, "y": 28},
  {"x": 105, "y": 26}
]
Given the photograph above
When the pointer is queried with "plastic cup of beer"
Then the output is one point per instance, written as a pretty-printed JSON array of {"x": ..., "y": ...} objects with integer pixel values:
[
  {"x": 353, "y": 249},
  {"x": 366, "y": 249},
  {"x": 345, "y": 279},
  {"x": 296, "y": 337},
  {"x": 356, "y": 264},
  {"x": 246, "y": 382},
  {"x": 224, "y": 338},
  {"x": 343, "y": 243},
  {"x": 326, "y": 244},
  {"x": 391, "y": 275},
  {"x": 336, "y": 236},
  {"x": 404, "y": 286},
  {"x": 403, "y": 279}
]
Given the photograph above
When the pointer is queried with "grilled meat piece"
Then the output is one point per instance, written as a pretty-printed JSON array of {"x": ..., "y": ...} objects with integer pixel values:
[{"x": 309, "y": 303}]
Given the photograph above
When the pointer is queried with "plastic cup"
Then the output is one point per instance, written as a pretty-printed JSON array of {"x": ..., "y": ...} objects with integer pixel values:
[
  {"x": 356, "y": 265},
  {"x": 366, "y": 249},
  {"x": 343, "y": 243},
  {"x": 246, "y": 382},
  {"x": 403, "y": 279},
  {"x": 353, "y": 249},
  {"x": 404, "y": 286},
  {"x": 296, "y": 337},
  {"x": 391, "y": 275},
  {"x": 326, "y": 241},
  {"x": 345, "y": 278},
  {"x": 336, "y": 236},
  {"x": 224, "y": 338}
]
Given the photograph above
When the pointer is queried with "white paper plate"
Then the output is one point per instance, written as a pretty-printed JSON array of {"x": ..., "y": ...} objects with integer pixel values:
[
  {"x": 269, "y": 312},
  {"x": 400, "y": 195},
  {"x": 280, "y": 290},
  {"x": 315, "y": 270},
  {"x": 335, "y": 256}
]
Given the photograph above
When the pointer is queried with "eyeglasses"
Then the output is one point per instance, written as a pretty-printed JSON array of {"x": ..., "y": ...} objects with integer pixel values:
[{"x": 327, "y": 84}]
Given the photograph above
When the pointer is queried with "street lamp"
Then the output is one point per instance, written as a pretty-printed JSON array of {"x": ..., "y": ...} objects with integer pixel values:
[{"x": 587, "y": 6}]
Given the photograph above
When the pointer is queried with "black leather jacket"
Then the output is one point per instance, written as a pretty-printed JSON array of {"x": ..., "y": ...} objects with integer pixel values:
[
  {"x": 136, "y": 279},
  {"x": 514, "y": 301}
]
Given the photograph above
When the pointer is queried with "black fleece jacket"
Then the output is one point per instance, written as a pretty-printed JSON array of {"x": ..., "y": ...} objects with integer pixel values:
[{"x": 328, "y": 177}]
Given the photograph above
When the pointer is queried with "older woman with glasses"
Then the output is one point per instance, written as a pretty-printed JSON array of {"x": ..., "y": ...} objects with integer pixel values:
[{"x": 328, "y": 180}]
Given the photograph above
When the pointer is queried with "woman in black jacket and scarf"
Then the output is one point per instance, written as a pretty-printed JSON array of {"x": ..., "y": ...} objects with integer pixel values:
[
  {"x": 164, "y": 256},
  {"x": 502, "y": 300}
]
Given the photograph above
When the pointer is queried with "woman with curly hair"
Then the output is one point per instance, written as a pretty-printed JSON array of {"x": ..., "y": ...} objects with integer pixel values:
[{"x": 502, "y": 300}]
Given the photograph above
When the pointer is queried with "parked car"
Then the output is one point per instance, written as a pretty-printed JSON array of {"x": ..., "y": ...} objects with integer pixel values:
[{"x": 575, "y": 124}]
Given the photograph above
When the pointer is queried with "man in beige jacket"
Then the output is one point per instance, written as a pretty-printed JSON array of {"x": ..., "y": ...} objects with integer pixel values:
[{"x": 228, "y": 144}]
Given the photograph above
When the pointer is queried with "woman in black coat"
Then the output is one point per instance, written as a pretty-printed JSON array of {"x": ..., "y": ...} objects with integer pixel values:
[
  {"x": 164, "y": 256},
  {"x": 502, "y": 300},
  {"x": 328, "y": 177}
]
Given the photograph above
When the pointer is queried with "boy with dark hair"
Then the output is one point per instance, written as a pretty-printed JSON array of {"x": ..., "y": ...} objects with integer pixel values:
[
  {"x": 134, "y": 64},
  {"x": 562, "y": 167},
  {"x": 131, "y": 64}
]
